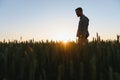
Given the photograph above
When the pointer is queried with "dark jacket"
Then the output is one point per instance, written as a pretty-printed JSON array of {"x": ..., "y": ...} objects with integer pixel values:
[{"x": 83, "y": 27}]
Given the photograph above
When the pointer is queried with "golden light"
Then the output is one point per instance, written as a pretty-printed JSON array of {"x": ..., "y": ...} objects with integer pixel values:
[{"x": 63, "y": 37}]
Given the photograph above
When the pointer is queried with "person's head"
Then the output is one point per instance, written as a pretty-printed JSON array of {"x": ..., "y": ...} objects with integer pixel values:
[{"x": 79, "y": 11}]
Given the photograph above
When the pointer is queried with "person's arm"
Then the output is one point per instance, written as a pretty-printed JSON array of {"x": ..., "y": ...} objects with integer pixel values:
[{"x": 79, "y": 29}]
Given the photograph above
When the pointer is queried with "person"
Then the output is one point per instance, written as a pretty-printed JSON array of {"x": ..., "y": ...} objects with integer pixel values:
[{"x": 82, "y": 32}]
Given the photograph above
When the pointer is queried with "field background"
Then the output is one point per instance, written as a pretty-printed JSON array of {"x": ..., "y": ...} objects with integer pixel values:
[{"x": 50, "y": 60}]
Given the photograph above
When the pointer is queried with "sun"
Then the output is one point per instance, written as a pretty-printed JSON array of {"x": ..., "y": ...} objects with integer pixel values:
[{"x": 62, "y": 37}]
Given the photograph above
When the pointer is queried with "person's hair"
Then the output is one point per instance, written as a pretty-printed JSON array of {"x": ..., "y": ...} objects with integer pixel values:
[{"x": 79, "y": 8}]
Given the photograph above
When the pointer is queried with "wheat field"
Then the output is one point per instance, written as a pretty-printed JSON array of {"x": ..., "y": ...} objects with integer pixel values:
[{"x": 50, "y": 60}]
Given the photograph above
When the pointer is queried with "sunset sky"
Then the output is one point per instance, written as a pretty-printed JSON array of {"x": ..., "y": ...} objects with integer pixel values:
[{"x": 56, "y": 19}]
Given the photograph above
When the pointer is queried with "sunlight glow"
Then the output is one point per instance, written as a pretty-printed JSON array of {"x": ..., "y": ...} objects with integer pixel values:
[{"x": 62, "y": 37}]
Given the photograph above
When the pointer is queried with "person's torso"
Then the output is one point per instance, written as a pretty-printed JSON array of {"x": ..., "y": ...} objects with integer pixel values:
[{"x": 83, "y": 20}]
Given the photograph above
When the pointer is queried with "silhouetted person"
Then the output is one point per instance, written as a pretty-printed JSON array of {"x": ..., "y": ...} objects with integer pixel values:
[{"x": 82, "y": 32}]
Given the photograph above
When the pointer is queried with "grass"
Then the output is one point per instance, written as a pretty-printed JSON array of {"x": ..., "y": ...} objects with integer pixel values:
[{"x": 97, "y": 60}]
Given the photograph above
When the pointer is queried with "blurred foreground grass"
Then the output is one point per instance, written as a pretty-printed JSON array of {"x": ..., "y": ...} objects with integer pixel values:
[{"x": 97, "y": 60}]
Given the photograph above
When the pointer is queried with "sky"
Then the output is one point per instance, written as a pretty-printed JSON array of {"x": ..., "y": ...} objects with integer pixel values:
[{"x": 56, "y": 19}]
